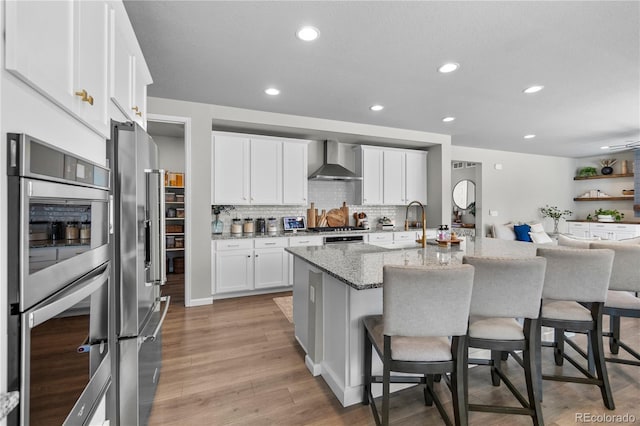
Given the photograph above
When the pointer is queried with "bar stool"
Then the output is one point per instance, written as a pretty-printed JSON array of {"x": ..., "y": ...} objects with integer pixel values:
[
  {"x": 422, "y": 307},
  {"x": 503, "y": 290},
  {"x": 625, "y": 278},
  {"x": 575, "y": 277}
]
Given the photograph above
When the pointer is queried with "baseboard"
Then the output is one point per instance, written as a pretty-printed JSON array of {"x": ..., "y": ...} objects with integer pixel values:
[
  {"x": 199, "y": 302},
  {"x": 315, "y": 369},
  {"x": 219, "y": 296}
]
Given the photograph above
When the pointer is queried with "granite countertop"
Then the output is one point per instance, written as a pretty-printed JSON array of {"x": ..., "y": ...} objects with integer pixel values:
[
  {"x": 8, "y": 402},
  {"x": 626, "y": 222},
  {"x": 360, "y": 265},
  {"x": 280, "y": 233}
]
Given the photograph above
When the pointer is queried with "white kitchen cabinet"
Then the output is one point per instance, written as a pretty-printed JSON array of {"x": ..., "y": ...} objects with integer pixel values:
[
  {"x": 406, "y": 235},
  {"x": 258, "y": 170},
  {"x": 605, "y": 231},
  {"x": 129, "y": 72},
  {"x": 230, "y": 170},
  {"x": 381, "y": 237},
  {"x": 271, "y": 268},
  {"x": 60, "y": 49},
  {"x": 415, "y": 174},
  {"x": 265, "y": 171},
  {"x": 369, "y": 166},
  {"x": 234, "y": 270},
  {"x": 294, "y": 172},
  {"x": 393, "y": 177}
]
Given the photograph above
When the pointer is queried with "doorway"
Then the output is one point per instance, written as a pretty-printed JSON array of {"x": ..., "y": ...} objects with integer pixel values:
[
  {"x": 171, "y": 137},
  {"x": 466, "y": 197}
]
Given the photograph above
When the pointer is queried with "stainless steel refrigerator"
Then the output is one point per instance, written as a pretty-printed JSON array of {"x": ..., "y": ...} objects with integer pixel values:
[{"x": 138, "y": 271}]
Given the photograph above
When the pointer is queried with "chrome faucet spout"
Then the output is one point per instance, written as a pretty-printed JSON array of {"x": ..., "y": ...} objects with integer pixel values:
[{"x": 422, "y": 240}]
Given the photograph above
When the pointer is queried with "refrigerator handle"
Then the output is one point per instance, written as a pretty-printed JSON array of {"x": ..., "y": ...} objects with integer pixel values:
[
  {"x": 154, "y": 335},
  {"x": 156, "y": 229}
]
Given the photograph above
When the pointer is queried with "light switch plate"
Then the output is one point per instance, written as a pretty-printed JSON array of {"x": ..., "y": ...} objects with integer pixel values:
[{"x": 493, "y": 212}]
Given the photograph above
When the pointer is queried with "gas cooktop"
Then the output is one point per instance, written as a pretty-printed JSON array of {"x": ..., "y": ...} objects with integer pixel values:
[{"x": 335, "y": 229}]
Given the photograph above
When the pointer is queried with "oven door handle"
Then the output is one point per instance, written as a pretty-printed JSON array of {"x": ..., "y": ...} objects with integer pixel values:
[
  {"x": 155, "y": 238},
  {"x": 66, "y": 299},
  {"x": 154, "y": 335}
]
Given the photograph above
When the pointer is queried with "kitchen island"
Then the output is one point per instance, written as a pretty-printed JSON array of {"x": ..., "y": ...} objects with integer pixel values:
[{"x": 335, "y": 286}]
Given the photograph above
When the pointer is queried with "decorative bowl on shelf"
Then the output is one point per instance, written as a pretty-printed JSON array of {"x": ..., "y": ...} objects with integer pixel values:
[
  {"x": 605, "y": 218},
  {"x": 628, "y": 192}
]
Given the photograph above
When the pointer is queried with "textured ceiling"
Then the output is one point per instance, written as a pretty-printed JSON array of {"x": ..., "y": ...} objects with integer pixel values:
[{"x": 586, "y": 54}]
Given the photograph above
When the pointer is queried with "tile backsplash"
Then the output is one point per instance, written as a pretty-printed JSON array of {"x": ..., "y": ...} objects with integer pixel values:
[{"x": 325, "y": 195}]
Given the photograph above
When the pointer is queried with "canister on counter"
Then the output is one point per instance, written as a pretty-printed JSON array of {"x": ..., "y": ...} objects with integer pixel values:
[
  {"x": 272, "y": 225},
  {"x": 85, "y": 231},
  {"x": 72, "y": 232},
  {"x": 248, "y": 227},
  {"x": 261, "y": 225},
  {"x": 236, "y": 226}
]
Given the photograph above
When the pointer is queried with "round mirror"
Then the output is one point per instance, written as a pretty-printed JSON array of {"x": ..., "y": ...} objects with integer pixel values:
[{"x": 464, "y": 194}]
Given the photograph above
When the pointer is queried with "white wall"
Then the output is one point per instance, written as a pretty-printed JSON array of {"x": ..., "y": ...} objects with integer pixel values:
[
  {"x": 202, "y": 116},
  {"x": 170, "y": 153},
  {"x": 525, "y": 183}
]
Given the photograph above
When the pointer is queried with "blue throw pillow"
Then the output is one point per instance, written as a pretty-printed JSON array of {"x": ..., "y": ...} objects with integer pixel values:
[{"x": 522, "y": 232}]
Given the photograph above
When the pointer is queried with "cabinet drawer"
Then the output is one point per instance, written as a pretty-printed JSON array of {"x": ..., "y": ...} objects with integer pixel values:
[
  {"x": 404, "y": 236},
  {"x": 315, "y": 240},
  {"x": 579, "y": 225},
  {"x": 270, "y": 242},
  {"x": 381, "y": 238},
  {"x": 234, "y": 244}
]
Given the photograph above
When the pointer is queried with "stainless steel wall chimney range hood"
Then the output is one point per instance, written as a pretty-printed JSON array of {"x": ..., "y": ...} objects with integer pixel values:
[{"x": 331, "y": 169}]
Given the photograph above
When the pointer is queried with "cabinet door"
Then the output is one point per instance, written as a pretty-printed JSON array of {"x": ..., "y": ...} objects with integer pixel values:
[
  {"x": 234, "y": 271},
  {"x": 141, "y": 79},
  {"x": 601, "y": 230},
  {"x": 121, "y": 62},
  {"x": 371, "y": 176},
  {"x": 230, "y": 170},
  {"x": 39, "y": 46},
  {"x": 416, "y": 177},
  {"x": 579, "y": 229},
  {"x": 266, "y": 171},
  {"x": 91, "y": 64},
  {"x": 294, "y": 173},
  {"x": 271, "y": 268},
  {"x": 393, "y": 191}
]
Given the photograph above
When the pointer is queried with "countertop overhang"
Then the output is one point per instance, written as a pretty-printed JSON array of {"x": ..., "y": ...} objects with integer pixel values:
[{"x": 360, "y": 265}]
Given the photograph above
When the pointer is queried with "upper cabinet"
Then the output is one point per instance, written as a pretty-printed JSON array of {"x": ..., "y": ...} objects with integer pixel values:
[
  {"x": 259, "y": 170},
  {"x": 65, "y": 50},
  {"x": 391, "y": 176}
]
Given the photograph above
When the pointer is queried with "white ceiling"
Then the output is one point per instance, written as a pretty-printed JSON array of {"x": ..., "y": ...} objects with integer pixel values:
[{"x": 585, "y": 53}]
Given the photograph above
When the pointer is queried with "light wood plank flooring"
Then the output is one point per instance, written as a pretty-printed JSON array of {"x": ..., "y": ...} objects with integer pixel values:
[{"x": 237, "y": 362}]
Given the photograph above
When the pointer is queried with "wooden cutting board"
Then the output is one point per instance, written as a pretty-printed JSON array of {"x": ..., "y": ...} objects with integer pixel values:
[{"x": 335, "y": 217}]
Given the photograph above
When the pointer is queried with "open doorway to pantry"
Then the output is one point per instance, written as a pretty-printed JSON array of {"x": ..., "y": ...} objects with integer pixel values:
[{"x": 173, "y": 137}]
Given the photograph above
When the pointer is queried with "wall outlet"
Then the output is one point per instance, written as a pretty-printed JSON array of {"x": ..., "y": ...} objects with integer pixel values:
[
  {"x": 493, "y": 212},
  {"x": 498, "y": 166},
  {"x": 312, "y": 294}
]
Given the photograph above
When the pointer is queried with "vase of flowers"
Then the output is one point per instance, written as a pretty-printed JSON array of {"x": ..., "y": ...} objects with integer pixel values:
[
  {"x": 217, "y": 225},
  {"x": 555, "y": 214}
]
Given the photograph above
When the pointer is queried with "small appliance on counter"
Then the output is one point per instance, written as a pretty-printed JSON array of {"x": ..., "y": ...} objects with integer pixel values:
[
  {"x": 386, "y": 224},
  {"x": 294, "y": 223}
]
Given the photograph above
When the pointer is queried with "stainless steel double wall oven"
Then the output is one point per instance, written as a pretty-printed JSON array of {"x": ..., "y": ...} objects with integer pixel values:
[{"x": 58, "y": 274}]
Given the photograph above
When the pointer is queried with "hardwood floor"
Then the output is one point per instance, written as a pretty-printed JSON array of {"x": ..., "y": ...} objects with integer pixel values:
[{"x": 237, "y": 362}]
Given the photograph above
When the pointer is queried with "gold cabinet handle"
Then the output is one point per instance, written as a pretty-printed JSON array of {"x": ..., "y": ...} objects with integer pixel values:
[
  {"x": 139, "y": 114},
  {"x": 135, "y": 108},
  {"x": 84, "y": 96}
]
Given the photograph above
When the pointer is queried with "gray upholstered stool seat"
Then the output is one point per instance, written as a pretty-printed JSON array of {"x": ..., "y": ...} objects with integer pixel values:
[
  {"x": 495, "y": 328},
  {"x": 625, "y": 278},
  {"x": 430, "y": 348},
  {"x": 565, "y": 310},
  {"x": 422, "y": 307},
  {"x": 576, "y": 277},
  {"x": 621, "y": 300},
  {"x": 505, "y": 289}
]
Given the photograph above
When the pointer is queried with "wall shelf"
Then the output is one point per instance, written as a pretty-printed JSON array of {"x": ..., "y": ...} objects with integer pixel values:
[
  {"x": 628, "y": 198},
  {"x": 626, "y": 175}
]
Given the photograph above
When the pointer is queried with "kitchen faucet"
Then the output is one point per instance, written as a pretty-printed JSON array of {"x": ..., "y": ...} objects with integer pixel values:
[{"x": 422, "y": 240}]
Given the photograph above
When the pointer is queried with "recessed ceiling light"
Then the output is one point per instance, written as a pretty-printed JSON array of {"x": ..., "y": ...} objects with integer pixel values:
[
  {"x": 308, "y": 33},
  {"x": 605, "y": 147},
  {"x": 448, "y": 119},
  {"x": 448, "y": 67},
  {"x": 272, "y": 91},
  {"x": 533, "y": 89},
  {"x": 376, "y": 107},
  {"x": 529, "y": 136}
]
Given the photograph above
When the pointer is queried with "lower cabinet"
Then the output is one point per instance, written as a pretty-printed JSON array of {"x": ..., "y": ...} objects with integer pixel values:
[
  {"x": 239, "y": 266},
  {"x": 605, "y": 231}
]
